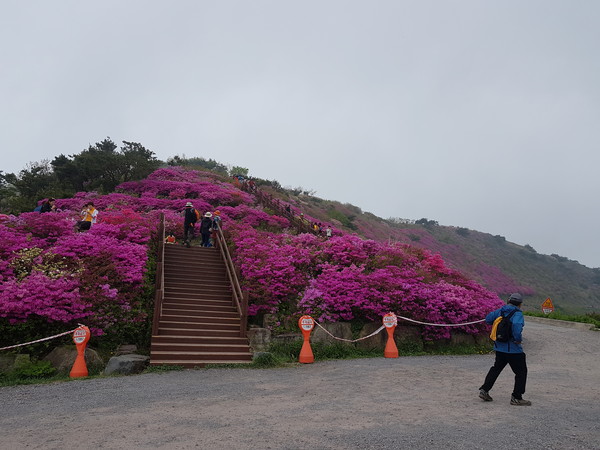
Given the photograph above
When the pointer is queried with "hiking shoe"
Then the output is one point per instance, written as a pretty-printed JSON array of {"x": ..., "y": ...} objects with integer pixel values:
[
  {"x": 485, "y": 396},
  {"x": 519, "y": 401}
]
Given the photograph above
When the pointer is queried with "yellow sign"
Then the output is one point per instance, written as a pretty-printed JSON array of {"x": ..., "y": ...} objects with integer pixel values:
[{"x": 547, "y": 306}]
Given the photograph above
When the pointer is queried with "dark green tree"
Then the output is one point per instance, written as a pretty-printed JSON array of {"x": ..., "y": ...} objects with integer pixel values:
[
  {"x": 32, "y": 184},
  {"x": 100, "y": 167},
  {"x": 137, "y": 161},
  {"x": 199, "y": 162}
]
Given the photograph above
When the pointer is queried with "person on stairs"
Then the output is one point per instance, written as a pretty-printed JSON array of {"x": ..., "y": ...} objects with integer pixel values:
[
  {"x": 206, "y": 226},
  {"x": 189, "y": 222}
]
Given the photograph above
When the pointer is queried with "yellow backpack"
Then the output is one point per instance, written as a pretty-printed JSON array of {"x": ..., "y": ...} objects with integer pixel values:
[{"x": 502, "y": 328}]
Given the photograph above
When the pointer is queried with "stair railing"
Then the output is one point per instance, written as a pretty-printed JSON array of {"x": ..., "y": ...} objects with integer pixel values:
[
  {"x": 240, "y": 299},
  {"x": 159, "y": 285}
]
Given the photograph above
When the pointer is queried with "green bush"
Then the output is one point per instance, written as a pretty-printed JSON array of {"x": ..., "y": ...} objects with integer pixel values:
[{"x": 36, "y": 369}]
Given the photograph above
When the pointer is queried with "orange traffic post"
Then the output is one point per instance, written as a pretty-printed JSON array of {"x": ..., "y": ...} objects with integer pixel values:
[
  {"x": 81, "y": 336},
  {"x": 306, "y": 324},
  {"x": 390, "y": 321}
]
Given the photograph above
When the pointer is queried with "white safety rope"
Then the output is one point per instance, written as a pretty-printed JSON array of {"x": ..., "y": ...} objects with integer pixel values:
[
  {"x": 39, "y": 340},
  {"x": 442, "y": 324},
  {"x": 350, "y": 340},
  {"x": 403, "y": 318}
]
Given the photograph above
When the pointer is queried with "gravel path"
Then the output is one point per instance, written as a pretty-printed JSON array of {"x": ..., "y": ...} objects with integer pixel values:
[{"x": 416, "y": 402}]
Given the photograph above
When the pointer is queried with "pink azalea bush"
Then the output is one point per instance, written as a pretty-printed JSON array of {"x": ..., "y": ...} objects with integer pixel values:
[
  {"x": 347, "y": 278},
  {"x": 49, "y": 270}
]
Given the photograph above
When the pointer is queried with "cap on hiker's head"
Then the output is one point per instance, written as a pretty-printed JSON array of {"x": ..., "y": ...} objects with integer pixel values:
[
  {"x": 515, "y": 298},
  {"x": 188, "y": 204},
  {"x": 208, "y": 214},
  {"x": 217, "y": 213}
]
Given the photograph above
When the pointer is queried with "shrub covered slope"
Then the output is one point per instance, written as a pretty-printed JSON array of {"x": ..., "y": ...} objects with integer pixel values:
[
  {"x": 501, "y": 266},
  {"x": 52, "y": 273}
]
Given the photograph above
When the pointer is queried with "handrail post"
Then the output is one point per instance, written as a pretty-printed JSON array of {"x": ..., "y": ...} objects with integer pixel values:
[
  {"x": 160, "y": 276},
  {"x": 244, "y": 318}
]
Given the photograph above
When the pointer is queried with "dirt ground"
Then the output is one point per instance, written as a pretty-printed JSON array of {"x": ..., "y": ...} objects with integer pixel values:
[{"x": 416, "y": 402}]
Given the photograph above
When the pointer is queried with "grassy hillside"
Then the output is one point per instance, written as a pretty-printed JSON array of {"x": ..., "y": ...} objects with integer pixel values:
[{"x": 499, "y": 265}]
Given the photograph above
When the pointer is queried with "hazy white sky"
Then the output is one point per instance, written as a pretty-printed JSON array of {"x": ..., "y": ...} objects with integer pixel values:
[{"x": 480, "y": 114}]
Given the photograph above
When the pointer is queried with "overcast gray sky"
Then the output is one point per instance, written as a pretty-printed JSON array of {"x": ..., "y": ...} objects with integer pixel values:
[{"x": 480, "y": 114}]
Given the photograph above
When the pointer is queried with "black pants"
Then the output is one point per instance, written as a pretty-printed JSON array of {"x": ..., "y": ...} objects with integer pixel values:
[
  {"x": 188, "y": 231},
  {"x": 517, "y": 364},
  {"x": 84, "y": 225}
]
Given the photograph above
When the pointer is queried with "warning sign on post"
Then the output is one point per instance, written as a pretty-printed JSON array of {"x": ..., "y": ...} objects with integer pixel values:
[{"x": 547, "y": 306}]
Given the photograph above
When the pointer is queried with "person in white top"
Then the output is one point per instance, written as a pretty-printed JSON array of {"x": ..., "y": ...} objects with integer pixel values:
[{"x": 88, "y": 215}]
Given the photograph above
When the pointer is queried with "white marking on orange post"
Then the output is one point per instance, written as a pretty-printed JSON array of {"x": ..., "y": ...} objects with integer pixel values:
[
  {"x": 306, "y": 325},
  {"x": 81, "y": 336}
]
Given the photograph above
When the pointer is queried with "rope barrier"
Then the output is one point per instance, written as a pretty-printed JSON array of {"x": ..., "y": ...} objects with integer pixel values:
[
  {"x": 403, "y": 318},
  {"x": 350, "y": 340},
  {"x": 40, "y": 340},
  {"x": 441, "y": 324}
]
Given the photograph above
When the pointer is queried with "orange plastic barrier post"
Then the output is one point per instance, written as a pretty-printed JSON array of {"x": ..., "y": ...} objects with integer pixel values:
[
  {"x": 81, "y": 336},
  {"x": 390, "y": 321},
  {"x": 306, "y": 324}
]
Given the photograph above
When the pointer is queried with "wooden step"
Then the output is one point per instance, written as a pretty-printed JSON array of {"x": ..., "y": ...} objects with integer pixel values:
[
  {"x": 195, "y": 276},
  {"x": 187, "y": 325},
  {"x": 176, "y": 331},
  {"x": 203, "y": 318},
  {"x": 194, "y": 256},
  {"x": 208, "y": 288},
  {"x": 162, "y": 339},
  {"x": 172, "y": 300},
  {"x": 194, "y": 364},
  {"x": 200, "y": 356},
  {"x": 192, "y": 348},
  {"x": 183, "y": 263},
  {"x": 206, "y": 280},
  {"x": 231, "y": 313},
  {"x": 206, "y": 294},
  {"x": 198, "y": 301}
]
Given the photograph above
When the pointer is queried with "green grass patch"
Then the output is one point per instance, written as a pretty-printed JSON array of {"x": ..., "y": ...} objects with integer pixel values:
[
  {"x": 285, "y": 354},
  {"x": 593, "y": 318},
  {"x": 162, "y": 368},
  {"x": 17, "y": 379}
]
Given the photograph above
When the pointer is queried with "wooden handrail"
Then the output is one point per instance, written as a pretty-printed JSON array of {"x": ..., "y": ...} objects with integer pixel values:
[
  {"x": 239, "y": 298},
  {"x": 159, "y": 285}
]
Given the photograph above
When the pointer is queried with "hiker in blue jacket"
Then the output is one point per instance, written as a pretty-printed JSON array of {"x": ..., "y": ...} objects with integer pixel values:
[{"x": 510, "y": 353}]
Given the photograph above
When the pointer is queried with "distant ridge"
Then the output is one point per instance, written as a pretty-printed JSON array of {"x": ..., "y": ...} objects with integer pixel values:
[{"x": 501, "y": 266}]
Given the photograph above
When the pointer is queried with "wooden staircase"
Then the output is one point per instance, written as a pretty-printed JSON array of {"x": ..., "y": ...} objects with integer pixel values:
[{"x": 199, "y": 324}]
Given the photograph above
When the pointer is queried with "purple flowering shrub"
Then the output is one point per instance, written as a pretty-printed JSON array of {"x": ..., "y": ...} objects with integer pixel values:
[
  {"x": 272, "y": 266},
  {"x": 55, "y": 299},
  {"x": 49, "y": 270},
  {"x": 348, "y": 278}
]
